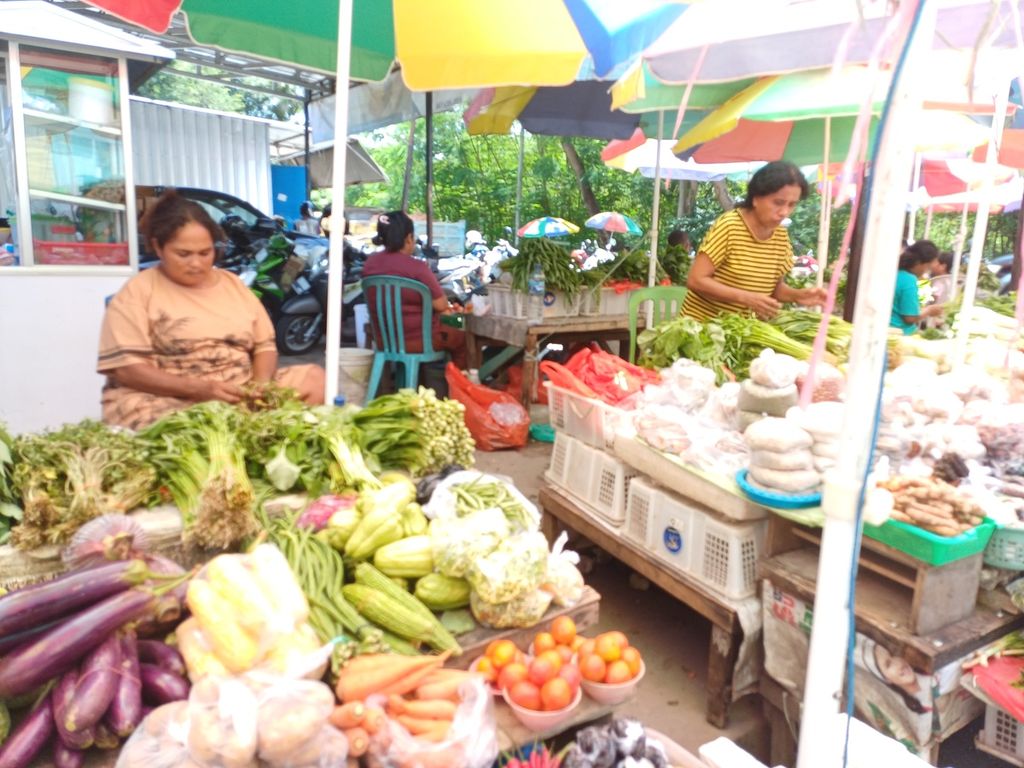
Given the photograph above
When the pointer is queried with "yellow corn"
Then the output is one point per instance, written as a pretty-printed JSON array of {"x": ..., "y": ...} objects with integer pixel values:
[
  {"x": 236, "y": 648},
  {"x": 228, "y": 575},
  {"x": 274, "y": 577},
  {"x": 199, "y": 659}
]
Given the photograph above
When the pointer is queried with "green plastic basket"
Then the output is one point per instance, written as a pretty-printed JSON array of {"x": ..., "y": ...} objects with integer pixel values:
[
  {"x": 1006, "y": 549},
  {"x": 928, "y": 546}
]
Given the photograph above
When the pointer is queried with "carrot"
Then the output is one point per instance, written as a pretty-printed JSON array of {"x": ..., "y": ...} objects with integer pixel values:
[
  {"x": 425, "y": 728},
  {"x": 357, "y": 683},
  {"x": 358, "y": 741},
  {"x": 373, "y": 723},
  {"x": 396, "y": 704},
  {"x": 348, "y": 715},
  {"x": 446, "y": 689},
  {"x": 433, "y": 757},
  {"x": 430, "y": 709},
  {"x": 370, "y": 662},
  {"x": 416, "y": 676}
]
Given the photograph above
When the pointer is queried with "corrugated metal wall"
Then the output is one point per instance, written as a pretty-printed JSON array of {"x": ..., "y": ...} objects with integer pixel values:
[{"x": 180, "y": 146}]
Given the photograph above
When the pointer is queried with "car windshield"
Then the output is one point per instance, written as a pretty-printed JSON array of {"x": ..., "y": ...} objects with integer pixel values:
[{"x": 219, "y": 207}]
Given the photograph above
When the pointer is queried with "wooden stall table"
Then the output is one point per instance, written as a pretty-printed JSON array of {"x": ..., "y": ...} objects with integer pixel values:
[
  {"x": 520, "y": 336},
  {"x": 726, "y": 632}
]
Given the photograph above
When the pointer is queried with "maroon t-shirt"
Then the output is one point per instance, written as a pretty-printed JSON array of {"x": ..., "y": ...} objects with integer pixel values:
[{"x": 400, "y": 265}]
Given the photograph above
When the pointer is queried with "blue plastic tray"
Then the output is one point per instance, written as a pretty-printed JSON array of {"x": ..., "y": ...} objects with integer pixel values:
[{"x": 776, "y": 498}]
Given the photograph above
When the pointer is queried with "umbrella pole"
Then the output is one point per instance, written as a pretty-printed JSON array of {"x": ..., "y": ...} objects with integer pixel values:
[
  {"x": 519, "y": 178},
  {"x": 825, "y": 219},
  {"x": 335, "y": 265},
  {"x": 430, "y": 167},
  {"x": 652, "y": 268},
  {"x": 821, "y": 742},
  {"x": 929, "y": 212},
  {"x": 912, "y": 213},
  {"x": 980, "y": 226},
  {"x": 958, "y": 253}
]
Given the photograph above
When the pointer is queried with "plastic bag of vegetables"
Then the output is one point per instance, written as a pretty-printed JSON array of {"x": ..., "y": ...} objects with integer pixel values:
[
  {"x": 458, "y": 542},
  {"x": 463, "y": 493},
  {"x": 471, "y": 739},
  {"x": 564, "y": 580},
  {"x": 518, "y": 565},
  {"x": 525, "y": 611}
]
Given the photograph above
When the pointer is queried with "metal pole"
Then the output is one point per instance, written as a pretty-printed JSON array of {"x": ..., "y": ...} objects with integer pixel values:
[
  {"x": 958, "y": 252},
  {"x": 519, "y": 178},
  {"x": 929, "y": 212},
  {"x": 335, "y": 264},
  {"x": 652, "y": 268},
  {"x": 980, "y": 226},
  {"x": 430, "y": 167},
  {"x": 825, "y": 219},
  {"x": 912, "y": 213},
  {"x": 407, "y": 182},
  {"x": 305, "y": 142},
  {"x": 820, "y": 746}
]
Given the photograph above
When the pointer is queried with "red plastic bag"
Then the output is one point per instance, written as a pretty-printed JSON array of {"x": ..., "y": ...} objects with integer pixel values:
[
  {"x": 494, "y": 418},
  {"x": 609, "y": 376},
  {"x": 515, "y": 385}
]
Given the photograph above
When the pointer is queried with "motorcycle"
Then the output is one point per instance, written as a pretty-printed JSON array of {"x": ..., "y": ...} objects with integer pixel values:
[
  {"x": 590, "y": 253},
  {"x": 303, "y": 316}
]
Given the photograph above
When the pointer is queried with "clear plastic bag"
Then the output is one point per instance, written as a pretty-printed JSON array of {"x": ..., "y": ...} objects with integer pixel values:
[
  {"x": 458, "y": 542},
  {"x": 159, "y": 741},
  {"x": 771, "y": 369},
  {"x": 519, "y": 564},
  {"x": 442, "y": 502},
  {"x": 472, "y": 740},
  {"x": 525, "y": 611},
  {"x": 564, "y": 580}
]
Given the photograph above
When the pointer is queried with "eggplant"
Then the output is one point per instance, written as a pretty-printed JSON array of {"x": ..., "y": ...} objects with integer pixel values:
[
  {"x": 62, "y": 694},
  {"x": 162, "y": 655},
  {"x": 106, "y": 738},
  {"x": 29, "y": 738},
  {"x": 97, "y": 684},
  {"x": 54, "y": 653},
  {"x": 10, "y": 642},
  {"x": 160, "y": 686},
  {"x": 125, "y": 711},
  {"x": 37, "y": 604},
  {"x": 66, "y": 758}
]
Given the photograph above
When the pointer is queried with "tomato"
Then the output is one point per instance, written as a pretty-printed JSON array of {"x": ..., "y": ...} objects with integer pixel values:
[
  {"x": 577, "y": 642},
  {"x": 554, "y": 657},
  {"x": 502, "y": 653},
  {"x": 486, "y": 668},
  {"x": 555, "y": 694},
  {"x": 608, "y": 648},
  {"x": 571, "y": 674},
  {"x": 619, "y": 638},
  {"x": 563, "y": 629},
  {"x": 526, "y": 695},
  {"x": 543, "y": 641},
  {"x": 512, "y": 674},
  {"x": 565, "y": 652},
  {"x": 586, "y": 647},
  {"x": 631, "y": 656},
  {"x": 541, "y": 670},
  {"x": 593, "y": 668},
  {"x": 618, "y": 672}
]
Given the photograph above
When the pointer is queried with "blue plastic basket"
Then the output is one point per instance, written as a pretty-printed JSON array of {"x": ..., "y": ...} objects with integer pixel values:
[{"x": 776, "y": 498}]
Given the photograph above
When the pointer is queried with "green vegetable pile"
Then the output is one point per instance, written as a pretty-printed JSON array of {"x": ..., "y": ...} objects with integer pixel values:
[
  {"x": 560, "y": 271},
  {"x": 1005, "y": 305},
  {"x": 802, "y": 325},
  {"x": 676, "y": 262},
  {"x": 632, "y": 266},
  {"x": 67, "y": 477},
  {"x": 480, "y": 494},
  {"x": 9, "y": 509}
]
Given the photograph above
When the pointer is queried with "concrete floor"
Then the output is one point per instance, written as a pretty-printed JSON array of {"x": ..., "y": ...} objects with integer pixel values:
[{"x": 674, "y": 641}]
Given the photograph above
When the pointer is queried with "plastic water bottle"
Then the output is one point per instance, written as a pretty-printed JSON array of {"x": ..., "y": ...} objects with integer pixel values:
[{"x": 535, "y": 297}]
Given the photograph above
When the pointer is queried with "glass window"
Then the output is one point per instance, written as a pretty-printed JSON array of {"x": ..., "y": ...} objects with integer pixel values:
[
  {"x": 75, "y": 158},
  {"x": 8, "y": 185}
]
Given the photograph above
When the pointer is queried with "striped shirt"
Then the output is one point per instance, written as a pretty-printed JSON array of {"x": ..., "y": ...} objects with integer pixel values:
[{"x": 741, "y": 261}]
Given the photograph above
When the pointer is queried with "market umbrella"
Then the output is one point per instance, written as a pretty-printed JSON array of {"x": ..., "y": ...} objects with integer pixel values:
[
  {"x": 644, "y": 157},
  {"x": 548, "y": 226},
  {"x": 612, "y": 221}
]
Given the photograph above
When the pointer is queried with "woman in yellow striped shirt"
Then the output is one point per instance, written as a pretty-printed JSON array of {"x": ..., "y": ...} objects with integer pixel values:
[{"x": 744, "y": 258}]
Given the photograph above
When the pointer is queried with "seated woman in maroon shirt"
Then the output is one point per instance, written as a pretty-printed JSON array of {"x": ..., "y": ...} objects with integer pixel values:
[{"x": 395, "y": 233}]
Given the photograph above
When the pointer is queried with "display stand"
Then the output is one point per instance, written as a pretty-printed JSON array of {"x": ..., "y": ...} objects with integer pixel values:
[{"x": 726, "y": 633}]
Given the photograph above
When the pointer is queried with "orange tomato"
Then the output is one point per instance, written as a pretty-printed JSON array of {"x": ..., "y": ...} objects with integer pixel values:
[
  {"x": 542, "y": 641},
  {"x": 618, "y": 672},
  {"x": 619, "y": 638},
  {"x": 593, "y": 668},
  {"x": 565, "y": 652},
  {"x": 554, "y": 657},
  {"x": 486, "y": 668},
  {"x": 563, "y": 629},
  {"x": 555, "y": 694},
  {"x": 525, "y": 694},
  {"x": 608, "y": 648},
  {"x": 577, "y": 642},
  {"x": 503, "y": 653},
  {"x": 631, "y": 656},
  {"x": 586, "y": 647},
  {"x": 571, "y": 674},
  {"x": 541, "y": 670},
  {"x": 512, "y": 674}
]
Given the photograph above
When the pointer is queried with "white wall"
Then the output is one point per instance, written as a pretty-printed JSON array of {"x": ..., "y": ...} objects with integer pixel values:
[
  {"x": 188, "y": 147},
  {"x": 51, "y": 331}
]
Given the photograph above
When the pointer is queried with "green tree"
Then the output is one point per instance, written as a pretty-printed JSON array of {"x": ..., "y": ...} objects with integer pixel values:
[{"x": 172, "y": 84}]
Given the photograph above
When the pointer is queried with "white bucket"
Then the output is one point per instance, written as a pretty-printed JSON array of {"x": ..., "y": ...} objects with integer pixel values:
[
  {"x": 91, "y": 100},
  {"x": 354, "y": 373},
  {"x": 362, "y": 318}
]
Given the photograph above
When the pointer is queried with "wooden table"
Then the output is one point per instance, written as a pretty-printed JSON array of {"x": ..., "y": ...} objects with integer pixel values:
[
  {"x": 726, "y": 632},
  {"x": 519, "y": 335}
]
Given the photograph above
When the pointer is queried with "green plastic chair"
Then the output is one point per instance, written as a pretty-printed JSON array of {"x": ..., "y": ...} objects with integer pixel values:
[
  {"x": 667, "y": 301},
  {"x": 385, "y": 309}
]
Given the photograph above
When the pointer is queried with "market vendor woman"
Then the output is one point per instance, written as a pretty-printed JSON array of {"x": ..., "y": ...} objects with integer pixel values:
[
  {"x": 742, "y": 263},
  {"x": 184, "y": 332}
]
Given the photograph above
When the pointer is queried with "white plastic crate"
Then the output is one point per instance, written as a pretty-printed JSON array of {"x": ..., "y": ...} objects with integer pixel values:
[
  {"x": 506, "y": 302},
  {"x": 501, "y": 300},
  {"x": 1002, "y": 736},
  {"x": 640, "y": 505},
  {"x": 590, "y": 420},
  {"x": 604, "y": 301},
  {"x": 560, "y": 459},
  {"x": 726, "y": 554},
  {"x": 579, "y": 474},
  {"x": 675, "y": 531},
  {"x": 610, "y": 480}
]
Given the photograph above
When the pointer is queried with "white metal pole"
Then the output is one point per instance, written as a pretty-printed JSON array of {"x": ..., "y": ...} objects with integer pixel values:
[
  {"x": 980, "y": 226},
  {"x": 958, "y": 252},
  {"x": 519, "y": 178},
  {"x": 912, "y": 213},
  {"x": 336, "y": 267},
  {"x": 652, "y": 268},
  {"x": 819, "y": 745},
  {"x": 825, "y": 219},
  {"x": 929, "y": 212}
]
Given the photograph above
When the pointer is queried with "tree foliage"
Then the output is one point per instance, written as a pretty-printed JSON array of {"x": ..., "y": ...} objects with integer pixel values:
[{"x": 166, "y": 85}]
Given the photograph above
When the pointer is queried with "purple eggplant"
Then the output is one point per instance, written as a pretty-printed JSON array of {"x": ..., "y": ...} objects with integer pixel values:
[
  {"x": 162, "y": 655},
  {"x": 125, "y": 711},
  {"x": 62, "y": 694},
  {"x": 106, "y": 738},
  {"x": 97, "y": 683},
  {"x": 66, "y": 758},
  {"x": 162, "y": 687},
  {"x": 58, "y": 650},
  {"x": 10, "y": 642},
  {"x": 37, "y": 604},
  {"x": 29, "y": 738}
]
